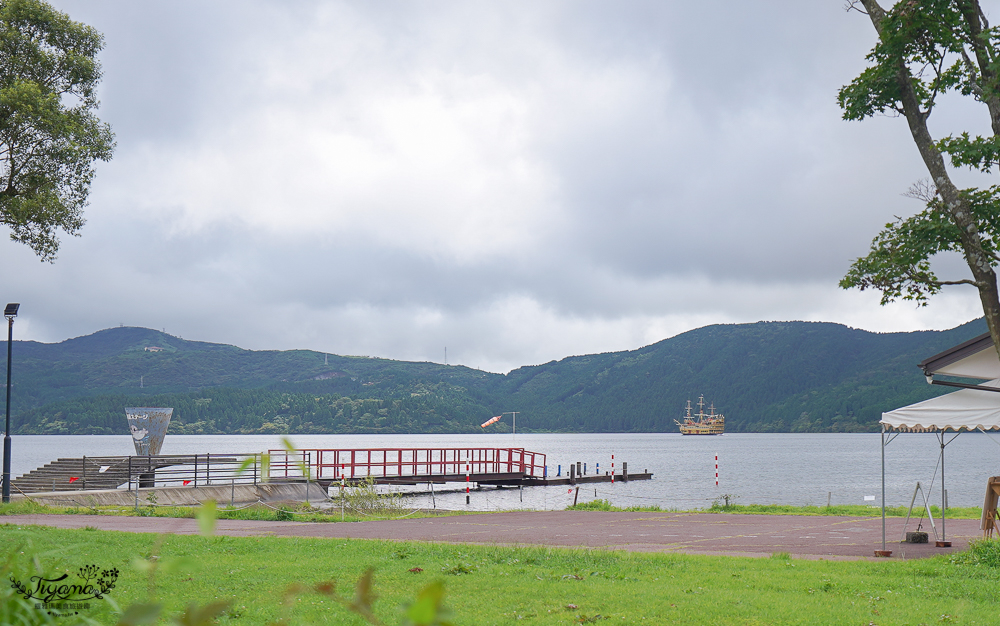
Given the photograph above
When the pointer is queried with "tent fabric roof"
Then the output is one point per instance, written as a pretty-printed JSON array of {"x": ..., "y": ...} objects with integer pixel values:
[
  {"x": 966, "y": 409},
  {"x": 974, "y": 358}
]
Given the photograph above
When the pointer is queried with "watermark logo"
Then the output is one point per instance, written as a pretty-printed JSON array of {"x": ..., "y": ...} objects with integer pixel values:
[{"x": 62, "y": 595}]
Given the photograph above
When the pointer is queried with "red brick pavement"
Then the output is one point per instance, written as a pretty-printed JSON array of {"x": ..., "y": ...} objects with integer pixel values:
[{"x": 693, "y": 533}]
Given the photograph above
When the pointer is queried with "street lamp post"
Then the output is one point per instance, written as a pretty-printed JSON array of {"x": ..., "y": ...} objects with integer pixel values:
[{"x": 10, "y": 313}]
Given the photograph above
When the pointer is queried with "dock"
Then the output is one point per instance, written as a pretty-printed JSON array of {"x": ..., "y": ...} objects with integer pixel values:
[
  {"x": 500, "y": 467},
  {"x": 508, "y": 480}
]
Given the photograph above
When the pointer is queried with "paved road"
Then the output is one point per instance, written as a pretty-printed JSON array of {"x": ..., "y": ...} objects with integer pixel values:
[{"x": 693, "y": 533}]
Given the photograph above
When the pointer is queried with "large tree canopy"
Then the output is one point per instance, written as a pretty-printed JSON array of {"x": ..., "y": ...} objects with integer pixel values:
[
  {"x": 926, "y": 48},
  {"x": 50, "y": 136}
]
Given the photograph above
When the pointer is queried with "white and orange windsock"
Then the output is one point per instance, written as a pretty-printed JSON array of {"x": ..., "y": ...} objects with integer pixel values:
[{"x": 490, "y": 421}]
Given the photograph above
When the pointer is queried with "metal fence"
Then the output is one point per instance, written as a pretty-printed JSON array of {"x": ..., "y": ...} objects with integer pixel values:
[{"x": 195, "y": 470}]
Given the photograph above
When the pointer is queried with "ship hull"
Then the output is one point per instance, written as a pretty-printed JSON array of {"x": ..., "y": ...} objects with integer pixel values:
[{"x": 702, "y": 430}]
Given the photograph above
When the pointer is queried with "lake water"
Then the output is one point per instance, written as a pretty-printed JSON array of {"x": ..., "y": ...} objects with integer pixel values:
[{"x": 757, "y": 468}]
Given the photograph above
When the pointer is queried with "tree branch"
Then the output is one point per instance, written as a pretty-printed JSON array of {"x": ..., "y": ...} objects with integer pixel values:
[
  {"x": 937, "y": 86},
  {"x": 979, "y": 40},
  {"x": 974, "y": 84},
  {"x": 852, "y": 5},
  {"x": 923, "y": 190}
]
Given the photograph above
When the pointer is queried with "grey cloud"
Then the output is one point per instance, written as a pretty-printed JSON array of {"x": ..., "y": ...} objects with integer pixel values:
[{"x": 689, "y": 147}]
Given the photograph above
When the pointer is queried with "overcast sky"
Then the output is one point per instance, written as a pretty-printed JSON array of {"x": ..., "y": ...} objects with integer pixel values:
[{"x": 514, "y": 181}]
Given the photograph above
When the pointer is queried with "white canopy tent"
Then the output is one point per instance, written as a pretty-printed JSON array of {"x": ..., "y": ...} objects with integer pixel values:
[
  {"x": 975, "y": 407},
  {"x": 968, "y": 409}
]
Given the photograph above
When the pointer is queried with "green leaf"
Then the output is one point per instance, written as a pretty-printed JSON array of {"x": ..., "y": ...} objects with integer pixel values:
[
  {"x": 167, "y": 565},
  {"x": 424, "y": 611},
  {"x": 143, "y": 565},
  {"x": 202, "y": 615},
  {"x": 921, "y": 41},
  {"x": 364, "y": 597},
  {"x": 207, "y": 516},
  {"x": 981, "y": 153},
  {"x": 300, "y": 459},
  {"x": 246, "y": 464},
  {"x": 140, "y": 614},
  {"x": 899, "y": 262},
  {"x": 265, "y": 467}
]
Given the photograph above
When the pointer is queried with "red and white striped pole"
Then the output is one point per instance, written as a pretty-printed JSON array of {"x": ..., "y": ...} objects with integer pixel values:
[
  {"x": 342, "y": 493},
  {"x": 716, "y": 470},
  {"x": 466, "y": 483},
  {"x": 612, "y": 469}
]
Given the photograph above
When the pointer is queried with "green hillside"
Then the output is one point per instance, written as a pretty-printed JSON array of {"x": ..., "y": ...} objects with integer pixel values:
[{"x": 768, "y": 376}]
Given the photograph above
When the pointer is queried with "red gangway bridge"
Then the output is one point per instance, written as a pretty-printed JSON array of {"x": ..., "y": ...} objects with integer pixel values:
[{"x": 410, "y": 466}]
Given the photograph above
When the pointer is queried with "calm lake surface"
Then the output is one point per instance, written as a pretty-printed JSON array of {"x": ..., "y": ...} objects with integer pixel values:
[{"x": 757, "y": 468}]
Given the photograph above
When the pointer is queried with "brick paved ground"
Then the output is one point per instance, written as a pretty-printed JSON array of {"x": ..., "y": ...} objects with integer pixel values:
[{"x": 693, "y": 533}]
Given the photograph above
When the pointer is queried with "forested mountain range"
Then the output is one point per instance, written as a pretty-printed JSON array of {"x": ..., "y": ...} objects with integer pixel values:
[{"x": 766, "y": 377}]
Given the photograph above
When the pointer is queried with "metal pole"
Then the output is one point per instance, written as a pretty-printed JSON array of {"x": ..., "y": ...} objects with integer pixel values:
[
  {"x": 883, "y": 487},
  {"x": 6, "y": 431},
  {"x": 943, "y": 537}
]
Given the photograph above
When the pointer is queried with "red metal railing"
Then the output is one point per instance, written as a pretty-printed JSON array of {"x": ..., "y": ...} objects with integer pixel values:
[{"x": 405, "y": 462}]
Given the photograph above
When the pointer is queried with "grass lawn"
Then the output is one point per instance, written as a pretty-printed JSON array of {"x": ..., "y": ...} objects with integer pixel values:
[
  {"x": 848, "y": 510},
  {"x": 302, "y": 512},
  {"x": 299, "y": 512},
  {"x": 501, "y": 585}
]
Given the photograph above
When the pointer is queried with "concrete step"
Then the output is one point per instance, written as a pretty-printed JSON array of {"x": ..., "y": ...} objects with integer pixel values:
[{"x": 56, "y": 475}]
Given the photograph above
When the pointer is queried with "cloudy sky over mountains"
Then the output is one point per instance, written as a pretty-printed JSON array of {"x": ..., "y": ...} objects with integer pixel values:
[{"x": 515, "y": 181}]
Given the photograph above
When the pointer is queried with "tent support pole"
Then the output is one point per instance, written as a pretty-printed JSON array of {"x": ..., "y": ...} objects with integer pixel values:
[
  {"x": 883, "y": 487},
  {"x": 943, "y": 493},
  {"x": 948, "y": 383}
]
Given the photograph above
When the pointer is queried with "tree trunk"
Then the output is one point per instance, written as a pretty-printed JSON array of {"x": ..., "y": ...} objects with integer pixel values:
[{"x": 979, "y": 262}]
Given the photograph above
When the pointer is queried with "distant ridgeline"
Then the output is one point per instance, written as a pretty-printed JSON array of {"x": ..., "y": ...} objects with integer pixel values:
[{"x": 766, "y": 377}]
